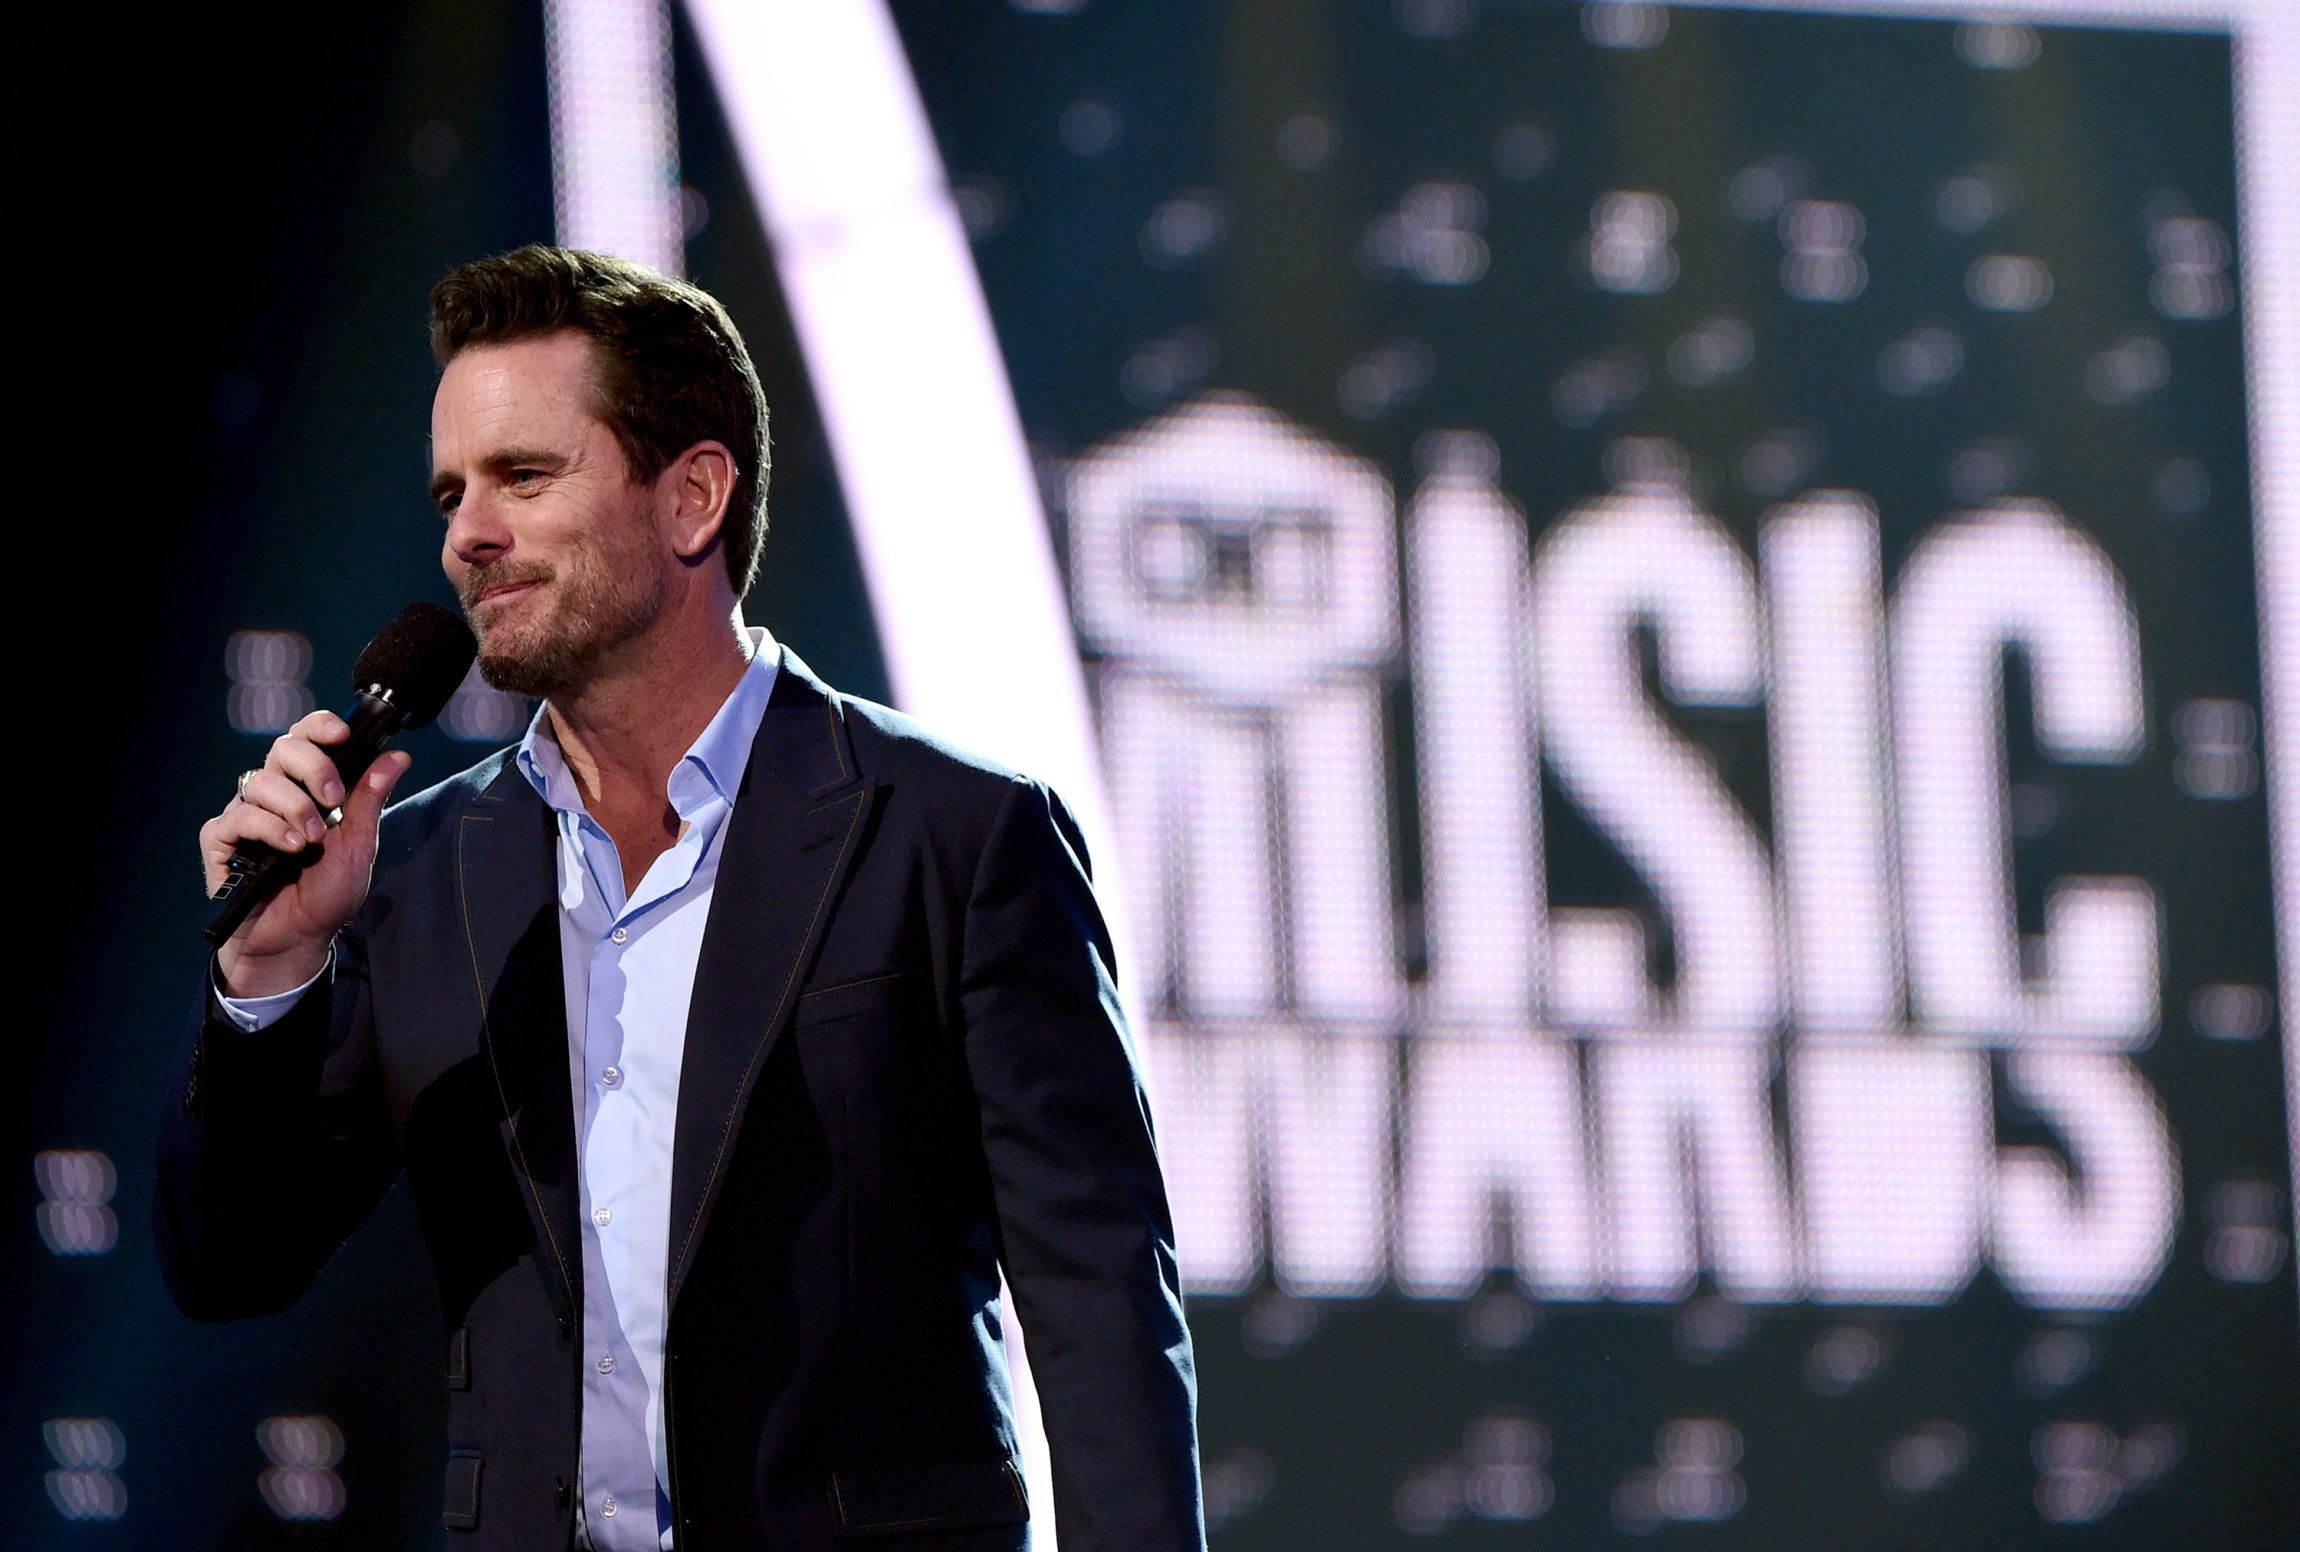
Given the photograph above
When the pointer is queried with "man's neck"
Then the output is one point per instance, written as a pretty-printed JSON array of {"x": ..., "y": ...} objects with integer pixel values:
[{"x": 623, "y": 734}]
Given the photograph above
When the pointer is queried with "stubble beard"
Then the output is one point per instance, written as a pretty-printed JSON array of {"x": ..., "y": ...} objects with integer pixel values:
[{"x": 599, "y": 602}]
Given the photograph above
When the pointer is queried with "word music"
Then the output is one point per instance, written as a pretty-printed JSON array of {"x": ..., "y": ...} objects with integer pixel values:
[{"x": 1238, "y": 577}]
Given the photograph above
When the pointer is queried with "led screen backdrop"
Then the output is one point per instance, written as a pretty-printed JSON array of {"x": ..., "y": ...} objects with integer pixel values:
[
  {"x": 1672, "y": 628},
  {"x": 1667, "y": 604}
]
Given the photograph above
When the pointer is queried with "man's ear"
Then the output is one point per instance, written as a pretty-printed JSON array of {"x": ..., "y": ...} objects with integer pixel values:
[{"x": 699, "y": 484}]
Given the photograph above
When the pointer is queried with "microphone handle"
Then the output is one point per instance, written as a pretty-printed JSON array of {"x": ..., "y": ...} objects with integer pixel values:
[{"x": 255, "y": 869}]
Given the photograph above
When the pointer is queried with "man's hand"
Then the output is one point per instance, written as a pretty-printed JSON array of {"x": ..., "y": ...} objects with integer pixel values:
[{"x": 285, "y": 942}]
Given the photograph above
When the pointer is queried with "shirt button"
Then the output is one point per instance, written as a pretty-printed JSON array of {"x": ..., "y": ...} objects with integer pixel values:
[
  {"x": 619, "y": 935},
  {"x": 611, "y": 1077},
  {"x": 607, "y": 1507},
  {"x": 603, "y": 1216},
  {"x": 606, "y": 1363}
]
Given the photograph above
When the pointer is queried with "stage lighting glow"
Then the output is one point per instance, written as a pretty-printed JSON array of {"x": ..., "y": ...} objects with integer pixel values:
[
  {"x": 2009, "y": 282},
  {"x": 1845, "y": 1358},
  {"x": 1998, "y": 45},
  {"x": 301, "y": 1482},
  {"x": 1306, "y": 141},
  {"x": 1778, "y": 460},
  {"x": 1758, "y": 191},
  {"x": 267, "y": 669},
  {"x": 1823, "y": 262},
  {"x": 615, "y": 129},
  {"x": 88, "y": 1451},
  {"x": 1236, "y": 1484},
  {"x": 1431, "y": 237},
  {"x": 881, "y": 286},
  {"x": 1385, "y": 379},
  {"x": 2192, "y": 259},
  {"x": 75, "y": 1216},
  {"x": 1591, "y": 390},
  {"x": 479, "y": 713},
  {"x": 1718, "y": 349},
  {"x": 1708, "y": 1326},
  {"x": 1693, "y": 1481},
  {"x": 2247, "y": 1244},
  {"x": 2132, "y": 368},
  {"x": 1970, "y": 201},
  {"x": 1628, "y": 248},
  {"x": 1926, "y": 1460},
  {"x": 1165, "y": 367},
  {"x": 2223, "y": 1012},
  {"x": 1186, "y": 227},
  {"x": 1929, "y": 357},
  {"x": 1090, "y": 127},
  {"x": 1497, "y": 1476},
  {"x": 1624, "y": 24},
  {"x": 2216, "y": 761},
  {"x": 2055, "y": 1358}
]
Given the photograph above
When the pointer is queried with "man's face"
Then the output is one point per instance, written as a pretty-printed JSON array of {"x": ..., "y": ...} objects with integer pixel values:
[{"x": 554, "y": 550}]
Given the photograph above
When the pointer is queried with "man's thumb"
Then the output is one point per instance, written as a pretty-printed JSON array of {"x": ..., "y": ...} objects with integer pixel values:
[{"x": 365, "y": 805}]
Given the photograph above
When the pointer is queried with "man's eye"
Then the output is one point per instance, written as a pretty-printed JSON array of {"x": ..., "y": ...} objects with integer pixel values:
[
  {"x": 525, "y": 476},
  {"x": 448, "y": 504}
]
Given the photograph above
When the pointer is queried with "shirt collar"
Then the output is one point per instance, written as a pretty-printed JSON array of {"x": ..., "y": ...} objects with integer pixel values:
[{"x": 718, "y": 755}]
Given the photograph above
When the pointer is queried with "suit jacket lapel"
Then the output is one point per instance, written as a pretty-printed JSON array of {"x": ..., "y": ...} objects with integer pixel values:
[
  {"x": 506, "y": 875},
  {"x": 790, "y": 840}
]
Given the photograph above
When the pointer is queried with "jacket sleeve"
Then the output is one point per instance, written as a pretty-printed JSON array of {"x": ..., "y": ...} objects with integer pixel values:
[
  {"x": 1085, "y": 1233},
  {"x": 274, "y": 1146}
]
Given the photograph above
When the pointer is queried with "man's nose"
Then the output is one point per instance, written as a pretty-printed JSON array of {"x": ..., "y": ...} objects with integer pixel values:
[{"x": 477, "y": 533}]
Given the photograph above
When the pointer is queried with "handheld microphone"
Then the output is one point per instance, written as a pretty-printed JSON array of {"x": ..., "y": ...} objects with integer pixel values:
[{"x": 403, "y": 679}]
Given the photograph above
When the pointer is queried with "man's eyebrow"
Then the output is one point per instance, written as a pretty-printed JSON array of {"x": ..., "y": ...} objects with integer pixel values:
[{"x": 521, "y": 457}]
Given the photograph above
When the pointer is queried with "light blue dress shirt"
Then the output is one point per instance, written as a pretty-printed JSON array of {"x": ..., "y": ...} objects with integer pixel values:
[{"x": 629, "y": 967}]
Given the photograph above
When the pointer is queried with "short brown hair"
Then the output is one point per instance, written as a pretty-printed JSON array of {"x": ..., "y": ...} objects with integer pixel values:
[{"x": 672, "y": 369}]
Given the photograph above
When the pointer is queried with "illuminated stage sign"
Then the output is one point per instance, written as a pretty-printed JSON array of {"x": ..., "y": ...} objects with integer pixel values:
[{"x": 1239, "y": 575}]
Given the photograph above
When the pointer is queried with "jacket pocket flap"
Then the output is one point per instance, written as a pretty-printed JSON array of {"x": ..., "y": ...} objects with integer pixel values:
[
  {"x": 877, "y": 993},
  {"x": 461, "y": 1510},
  {"x": 889, "y": 1500},
  {"x": 459, "y": 1359}
]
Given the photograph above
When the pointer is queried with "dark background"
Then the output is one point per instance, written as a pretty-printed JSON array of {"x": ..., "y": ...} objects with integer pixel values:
[{"x": 224, "y": 257}]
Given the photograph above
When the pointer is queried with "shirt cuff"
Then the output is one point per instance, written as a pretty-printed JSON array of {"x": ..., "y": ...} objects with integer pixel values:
[{"x": 254, "y": 1013}]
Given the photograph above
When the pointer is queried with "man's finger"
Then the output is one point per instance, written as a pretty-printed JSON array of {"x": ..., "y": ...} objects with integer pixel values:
[
  {"x": 274, "y": 793},
  {"x": 222, "y": 835},
  {"x": 308, "y": 766},
  {"x": 257, "y": 822},
  {"x": 365, "y": 805},
  {"x": 216, "y": 845},
  {"x": 320, "y": 727}
]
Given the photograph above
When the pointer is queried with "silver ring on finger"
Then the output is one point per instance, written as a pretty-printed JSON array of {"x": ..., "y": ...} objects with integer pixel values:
[{"x": 242, "y": 788}]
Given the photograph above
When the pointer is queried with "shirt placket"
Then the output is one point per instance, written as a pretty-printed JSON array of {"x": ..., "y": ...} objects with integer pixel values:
[{"x": 619, "y": 1487}]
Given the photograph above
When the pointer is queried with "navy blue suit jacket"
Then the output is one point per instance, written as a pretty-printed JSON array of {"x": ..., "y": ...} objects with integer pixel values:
[{"x": 905, "y": 1066}]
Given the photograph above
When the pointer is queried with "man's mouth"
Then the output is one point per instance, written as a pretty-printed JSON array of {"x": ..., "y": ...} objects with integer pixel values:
[{"x": 499, "y": 590}]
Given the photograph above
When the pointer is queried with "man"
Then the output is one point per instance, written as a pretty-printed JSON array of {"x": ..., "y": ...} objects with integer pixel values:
[{"x": 733, "y": 1033}]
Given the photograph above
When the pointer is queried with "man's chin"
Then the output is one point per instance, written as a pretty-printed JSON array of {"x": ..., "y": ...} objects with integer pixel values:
[{"x": 540, "y": 674}]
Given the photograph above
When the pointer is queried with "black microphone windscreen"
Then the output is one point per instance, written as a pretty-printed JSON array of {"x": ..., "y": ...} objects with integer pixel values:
[{"x": 420, "y": 657}]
